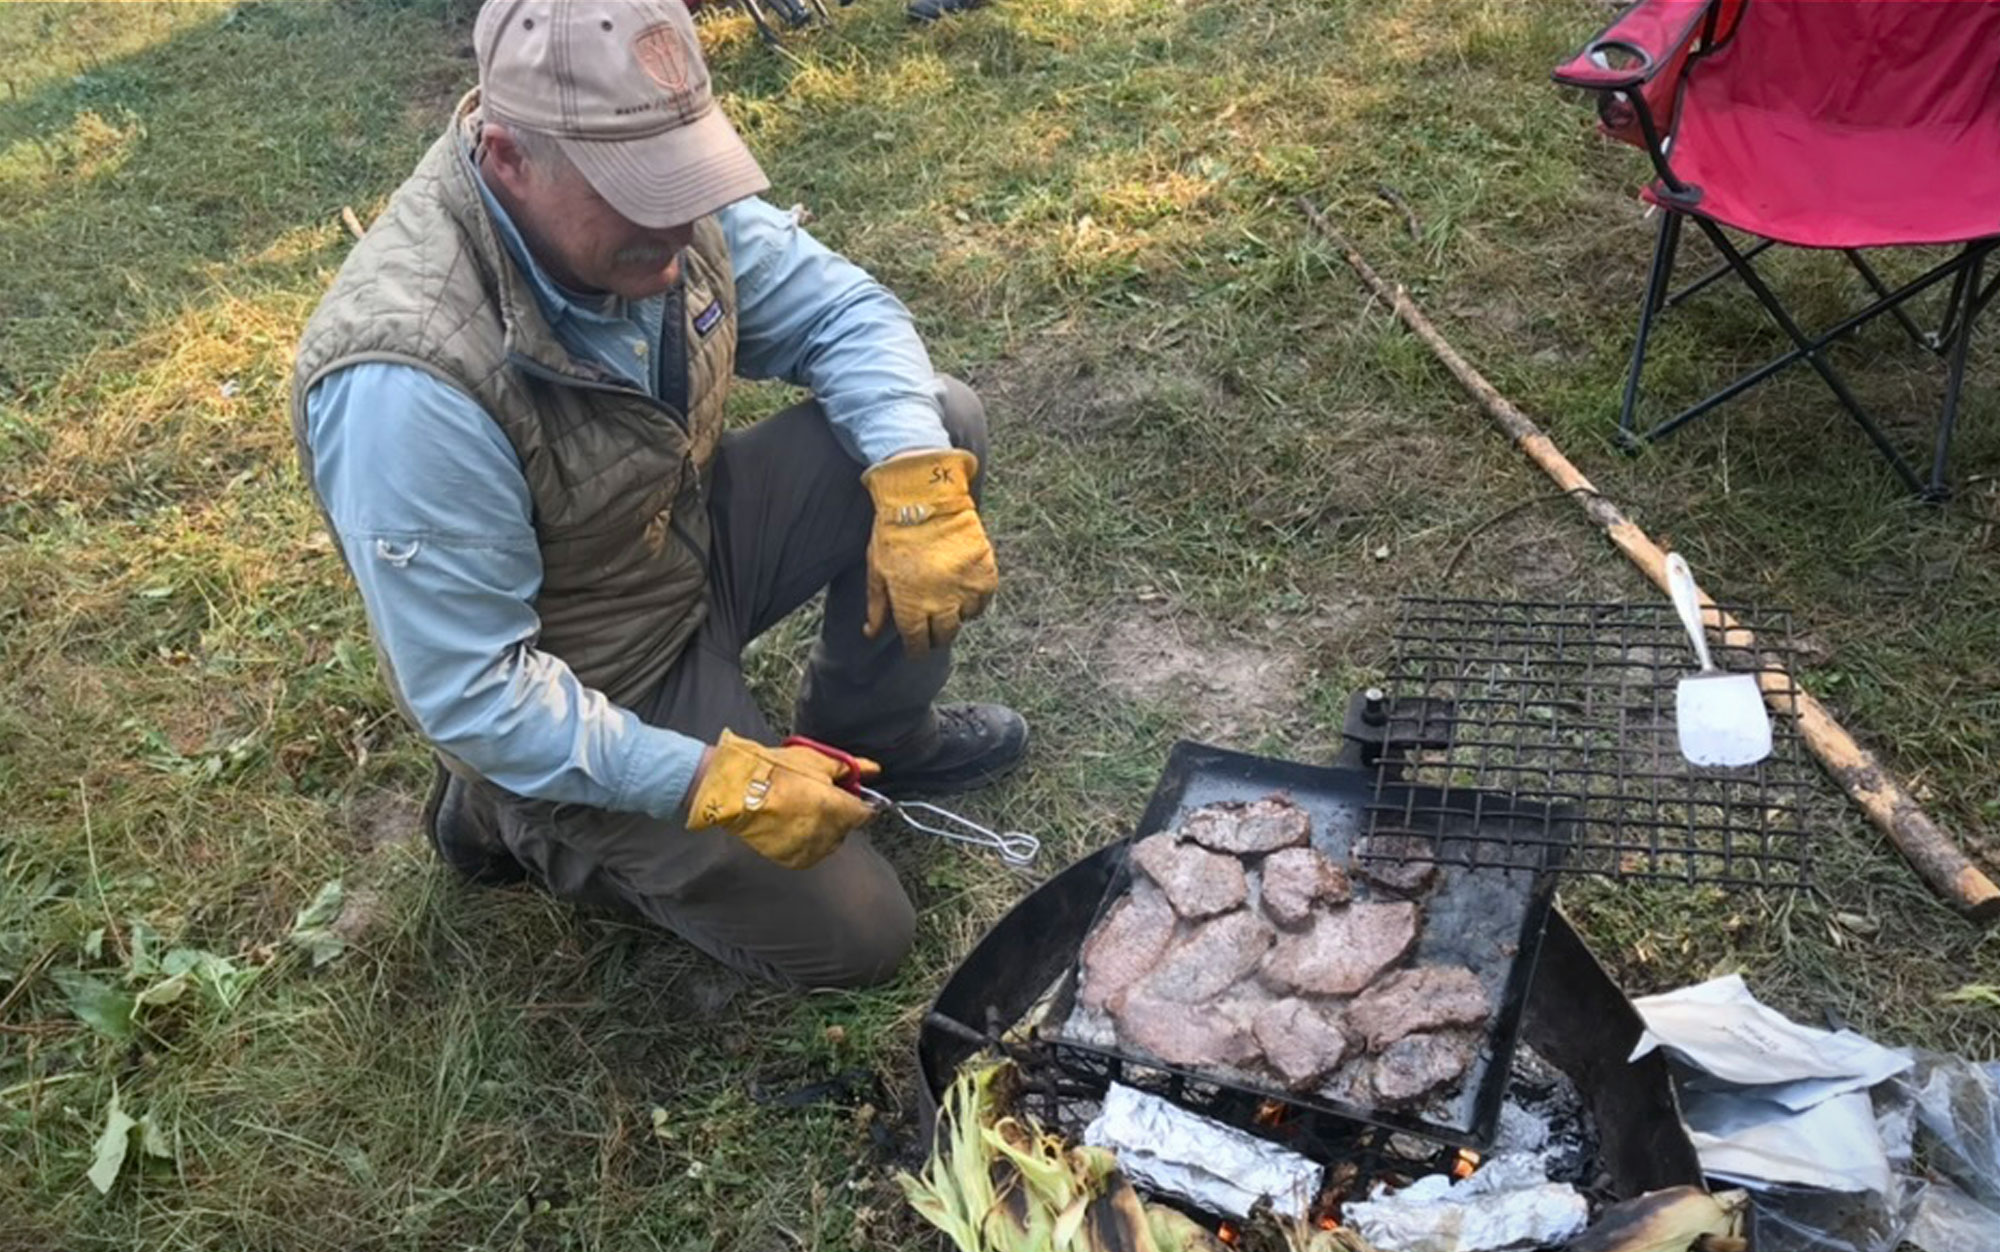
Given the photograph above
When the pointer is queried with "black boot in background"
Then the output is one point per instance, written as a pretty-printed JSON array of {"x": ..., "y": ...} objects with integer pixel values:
[{"x": 932, "y": 10}]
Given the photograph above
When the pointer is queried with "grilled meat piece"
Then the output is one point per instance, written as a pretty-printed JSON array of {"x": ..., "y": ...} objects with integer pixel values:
[
  {"x": 1125, "y": 945},
  {"x": 1301, "y": 1040},
  {"x": 1207, "y": 1037},
  {"x": 1198, "y": 883},
  {"x": 1409, "y": 871},
  {"x": 1353, "y": 1083},
  {"x": 1247, "y": 829},
  {"x": 1342, "y": 949},
  {"x": 1208, "y": 960},
  {"x": 1416, "y": 1065},
  {"x": 1294, "y": 878},
  {"x": 1411, "y": 1001}
]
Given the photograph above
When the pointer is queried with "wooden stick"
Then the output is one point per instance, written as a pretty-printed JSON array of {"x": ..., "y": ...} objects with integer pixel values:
[
  {"x": 1929, "y": 849},
  {"x": 349, "y": 220}
]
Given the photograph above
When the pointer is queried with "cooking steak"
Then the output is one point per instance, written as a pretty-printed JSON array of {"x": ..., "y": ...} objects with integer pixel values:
[
  {"x": 1198, "y": 884},
  {"x": 1208, "y": 1037},
  {"x": 1245, "y": 829},
  {"x": 1343, "y": 949},
  {"x": 1301, "y": 1042},
  {"x": 1410, "y": 869},
  {"x": 1413, "y": 1000},
  {"x": 1208, "y": 960},
  {"x": 1416, "y": 1065},
  {"x": 1125, "y": 944},
  {"x": 1293, "y": 878},
  {"x": 1353, "y": 1083}
]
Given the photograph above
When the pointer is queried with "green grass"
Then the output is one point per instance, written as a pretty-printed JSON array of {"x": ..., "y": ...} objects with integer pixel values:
[{"x": 1203, "y": 436}]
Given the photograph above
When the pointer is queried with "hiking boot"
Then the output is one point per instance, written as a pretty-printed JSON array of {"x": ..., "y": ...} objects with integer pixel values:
[
  {"x": 932, "y": 10},
  {"x": 462, "y": 841},
  {"x": 976, "y": 745}
]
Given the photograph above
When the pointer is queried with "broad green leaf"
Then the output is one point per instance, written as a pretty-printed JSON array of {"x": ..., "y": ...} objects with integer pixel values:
[
  {"x": 218, "y": 975},
  {"x": 109, "y": 1156},
  {"x": 152, "y": 1140},
  {"x": 99, "y": 1005},
  {"x": 313, "y": 930},
  {"x": 144, "y": 940},
  {"x": 325, "y": 907},
  {"x": 321, "y": 943},
  {"x": 165, "y": 991}
]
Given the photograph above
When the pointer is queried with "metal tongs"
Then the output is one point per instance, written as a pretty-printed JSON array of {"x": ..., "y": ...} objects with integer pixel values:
[{"x": 1016, "y": 848}]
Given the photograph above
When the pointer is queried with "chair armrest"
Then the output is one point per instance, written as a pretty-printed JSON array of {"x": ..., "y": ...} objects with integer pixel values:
[{"x": 1651, "y": 32}]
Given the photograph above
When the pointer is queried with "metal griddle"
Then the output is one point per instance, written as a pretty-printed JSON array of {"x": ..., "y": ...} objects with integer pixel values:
[{"x": 1490, "y": 921}]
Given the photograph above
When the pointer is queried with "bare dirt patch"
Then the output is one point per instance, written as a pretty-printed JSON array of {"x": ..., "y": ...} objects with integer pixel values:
[
  {"x": 1059, "y": 383},
  {"x": 1223, "y": 686},
  {"x": 381, "y": 818},
  {"x": 361, "y": 908}
]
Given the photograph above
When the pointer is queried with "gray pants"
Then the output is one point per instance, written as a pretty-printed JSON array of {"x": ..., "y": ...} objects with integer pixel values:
[{"x": 790, "y": 517}]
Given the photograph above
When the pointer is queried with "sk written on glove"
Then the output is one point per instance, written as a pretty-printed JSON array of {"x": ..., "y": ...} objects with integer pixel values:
[
  {"x": 929, "y": 564},
  {"x": 786, "y": 803}
]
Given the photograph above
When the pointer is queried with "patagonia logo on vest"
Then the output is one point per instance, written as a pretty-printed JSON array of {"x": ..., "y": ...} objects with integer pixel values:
[{"x": 705, "y": 320}]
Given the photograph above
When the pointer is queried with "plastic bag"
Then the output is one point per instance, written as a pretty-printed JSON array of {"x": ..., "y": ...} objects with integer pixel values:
[
  {"x": 1940, "y": 1127},
  {"x": 1957, "y": 1106}
]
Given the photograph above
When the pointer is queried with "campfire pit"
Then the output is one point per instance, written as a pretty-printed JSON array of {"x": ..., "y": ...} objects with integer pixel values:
[
  {"x": 1576, "y": 1030},
  {"x": 1507, "y": 745},
  {"x": 1554, "y": 1054}
]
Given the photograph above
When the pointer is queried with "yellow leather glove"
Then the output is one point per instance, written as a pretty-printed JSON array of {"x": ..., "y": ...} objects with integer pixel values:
[
  {"x": 929, "y": 565},
  {"x": 784, "y": 802}
]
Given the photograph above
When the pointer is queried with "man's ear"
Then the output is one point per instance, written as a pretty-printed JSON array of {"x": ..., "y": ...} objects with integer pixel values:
[{"x": 502, "y": 160}]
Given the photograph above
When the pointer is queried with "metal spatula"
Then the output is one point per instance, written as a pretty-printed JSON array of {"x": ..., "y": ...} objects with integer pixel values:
[{"x": 1720, "y": 715}]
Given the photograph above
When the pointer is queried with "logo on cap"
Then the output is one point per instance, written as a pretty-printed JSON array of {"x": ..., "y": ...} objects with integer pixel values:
[{"x": 663, "y": 56}]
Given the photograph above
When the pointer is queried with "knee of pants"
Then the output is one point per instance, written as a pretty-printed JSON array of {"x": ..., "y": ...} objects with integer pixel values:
[
  {"x": 965, "y": 420},
  {"x": 871, "y": 947}
]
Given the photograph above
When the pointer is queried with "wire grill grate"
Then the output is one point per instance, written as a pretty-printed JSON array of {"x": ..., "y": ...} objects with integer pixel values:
[{"x": 1568, "y": 710}]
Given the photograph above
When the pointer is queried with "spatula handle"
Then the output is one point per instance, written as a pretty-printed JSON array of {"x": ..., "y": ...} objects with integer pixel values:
[{"x": 1687, "y": 602}]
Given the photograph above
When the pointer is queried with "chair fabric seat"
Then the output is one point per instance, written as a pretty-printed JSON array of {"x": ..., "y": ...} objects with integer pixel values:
[
  {"x": 1852, "y": 124},
  {"x": 1786, "y": 178}
]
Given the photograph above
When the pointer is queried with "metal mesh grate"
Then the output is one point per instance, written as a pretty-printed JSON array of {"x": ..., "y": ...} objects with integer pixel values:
[{"x": 1569, "y": 709}]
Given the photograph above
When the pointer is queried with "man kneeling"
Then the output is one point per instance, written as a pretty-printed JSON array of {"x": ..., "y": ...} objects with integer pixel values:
[{"x": 510, "y": 409}]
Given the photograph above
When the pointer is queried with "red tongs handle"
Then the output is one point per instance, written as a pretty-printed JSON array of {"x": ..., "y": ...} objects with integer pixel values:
[{"x": 850, "y": 775}]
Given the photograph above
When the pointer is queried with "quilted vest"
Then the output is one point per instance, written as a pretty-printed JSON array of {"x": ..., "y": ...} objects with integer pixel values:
[{"x": 618, "y": 480}]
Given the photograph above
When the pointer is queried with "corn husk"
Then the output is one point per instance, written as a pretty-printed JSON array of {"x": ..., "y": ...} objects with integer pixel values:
[
  {"x": 998, "y": 1183},
  {"x": 1674, "y": 1220}
]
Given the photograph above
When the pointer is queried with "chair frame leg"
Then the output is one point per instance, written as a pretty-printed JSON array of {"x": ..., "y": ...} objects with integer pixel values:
[
  {"x": 1657, "y": 282},
  {"x": 1880, "y": 288},
  {"x": 1811, "y": 350},
  {"x": 1975, "y": 301},
  {"x": 1720, "y": 270},
  {"x": 1966, "y": 302}
]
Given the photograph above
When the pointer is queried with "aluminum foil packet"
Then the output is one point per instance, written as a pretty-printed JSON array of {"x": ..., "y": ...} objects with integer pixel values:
[
  {"x": 1219, "y": 1168},
  {"x": 1508, "y": 1203}
]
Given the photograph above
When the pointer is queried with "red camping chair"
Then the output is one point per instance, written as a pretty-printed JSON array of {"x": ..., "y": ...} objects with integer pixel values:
[{"x": 1844, "y": 124}]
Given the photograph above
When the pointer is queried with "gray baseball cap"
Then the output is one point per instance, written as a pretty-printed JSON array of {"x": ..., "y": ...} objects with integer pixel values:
[{"x": 622, "y": 87}]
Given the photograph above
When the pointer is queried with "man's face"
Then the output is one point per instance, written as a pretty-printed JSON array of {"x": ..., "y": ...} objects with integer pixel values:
[{"x": 584, "y": 243}]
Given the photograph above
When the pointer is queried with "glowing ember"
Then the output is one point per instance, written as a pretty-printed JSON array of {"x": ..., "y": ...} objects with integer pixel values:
[
  {"x": 1466, "y": 1161},
  {"x": 1228, "y": 1234},
  {"x": 1270, "y": 1113}
]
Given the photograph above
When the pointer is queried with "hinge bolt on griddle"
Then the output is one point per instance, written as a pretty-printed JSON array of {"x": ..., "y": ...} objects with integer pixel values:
[
  {"x": 1374, "y": 706},
  {"x": 1376, "y": 724}
]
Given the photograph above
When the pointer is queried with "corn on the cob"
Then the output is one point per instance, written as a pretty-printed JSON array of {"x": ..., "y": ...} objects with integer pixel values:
[
  {"x": 998, "y": 1184},
  {"x": 1677, "y": 1219}
]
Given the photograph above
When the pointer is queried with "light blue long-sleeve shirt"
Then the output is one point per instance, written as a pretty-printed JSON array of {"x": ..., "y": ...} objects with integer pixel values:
[{"x": 434, "y": 515}]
